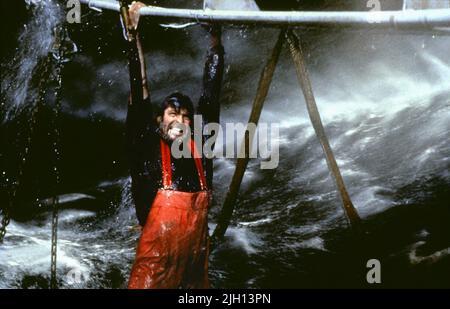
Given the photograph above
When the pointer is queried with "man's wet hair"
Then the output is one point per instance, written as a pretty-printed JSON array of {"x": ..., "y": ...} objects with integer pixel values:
[{"x": 178, "y": 101}]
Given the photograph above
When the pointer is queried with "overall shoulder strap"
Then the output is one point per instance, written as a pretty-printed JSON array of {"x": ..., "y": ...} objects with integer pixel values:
[
  {"x": 167, "y": 169},
  {"x": 198, "y": 164},
  {"x": 166, "y": 166}
]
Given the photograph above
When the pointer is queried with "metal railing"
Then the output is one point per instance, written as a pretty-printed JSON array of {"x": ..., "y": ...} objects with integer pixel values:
[{"x": 392, "y": 19}]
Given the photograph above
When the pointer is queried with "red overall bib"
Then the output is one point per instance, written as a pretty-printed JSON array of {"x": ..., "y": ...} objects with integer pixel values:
[{"x": 173, "y": 248}]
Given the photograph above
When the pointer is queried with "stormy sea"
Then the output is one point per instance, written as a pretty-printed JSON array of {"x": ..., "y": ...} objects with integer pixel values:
[{"x": 384, "y": 99}]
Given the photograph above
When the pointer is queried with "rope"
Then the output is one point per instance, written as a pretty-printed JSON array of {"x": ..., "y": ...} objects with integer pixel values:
[
  {"x": 4, "y": 224},
  {"x": 60, "y": 38}
]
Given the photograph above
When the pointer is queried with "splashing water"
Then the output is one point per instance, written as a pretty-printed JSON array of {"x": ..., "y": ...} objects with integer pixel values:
[
  {"x": 384, "y": 101},
  {"x": 34, "y": 43}
]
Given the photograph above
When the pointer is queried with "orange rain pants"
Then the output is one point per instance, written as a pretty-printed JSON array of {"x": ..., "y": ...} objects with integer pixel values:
[{"x": 173, "y": 248}]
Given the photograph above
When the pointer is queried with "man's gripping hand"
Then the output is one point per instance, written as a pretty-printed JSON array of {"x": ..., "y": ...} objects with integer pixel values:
[{"x": 134, "y": 15}]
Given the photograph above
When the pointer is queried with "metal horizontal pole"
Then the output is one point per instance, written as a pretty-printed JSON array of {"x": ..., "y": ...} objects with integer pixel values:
[{"x": 393, "y": 19}]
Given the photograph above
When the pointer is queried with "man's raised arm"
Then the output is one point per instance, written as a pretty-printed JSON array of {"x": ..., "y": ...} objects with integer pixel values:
[
  {"x": 209, "y": 105},
  {"x": 139, "y": 115}
]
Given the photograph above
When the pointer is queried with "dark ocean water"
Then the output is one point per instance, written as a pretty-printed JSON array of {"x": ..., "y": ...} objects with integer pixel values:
[{"x": 385, "y": 102}]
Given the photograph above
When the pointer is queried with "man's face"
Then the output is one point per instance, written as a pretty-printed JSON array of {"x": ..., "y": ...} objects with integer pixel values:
[{"x": 174, "y": 123}]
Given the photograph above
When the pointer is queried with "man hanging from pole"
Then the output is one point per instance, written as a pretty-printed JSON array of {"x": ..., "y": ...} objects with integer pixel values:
[{"x": 171, "y": 195}]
